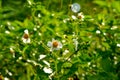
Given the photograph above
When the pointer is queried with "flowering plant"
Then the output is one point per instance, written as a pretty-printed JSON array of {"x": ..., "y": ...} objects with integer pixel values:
[{"x": 42, "y": 41}]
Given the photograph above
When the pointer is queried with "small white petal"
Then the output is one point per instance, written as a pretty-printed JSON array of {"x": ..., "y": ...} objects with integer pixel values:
[
  {"x": 26, "y": 40},
  {"x": 5, "y": 78},
  {"x": 98, "y": 31},
  {"x": 39, "y": 34},
  {"x": 56, "y": 48},
  {"x": 49, "y": 44},
  {"x": 28, "y": 60},
  {"x": 47, "y": 70},
  {"x": 67, "y": 19},
  {"x": 114, "y": 27},
  {"x": 8, "y": 23},
  {"x": 63, "y": 41},
  {"x": 115, "y": 62},
  {"x": 74, "y": 17},
  {"x": 20, "y": 58},
  {"x": 75, "y": 43},
  {"x": 65, "y": 52},
  {"x": 41, "y": 56},
  {"x": 38, "y": 26},
  {"x": 51, "y": 75},
  {"x": 89, "y": 63},
  {"x": 10, "y": 73},
  {"x": 29, "y": 2},
  {"x": 104, "y": 34},
  {"x": 48, "y": 64},
  {"x": 103, "y": 23},
  {"x": 39, "y": 15},
  {"x": 118, "y": 45},
  {"x": 51, "y": 49},
  {"x": 83, "y": 74},
  {"x": 59, "y": 45},
  {"x": 53, "y": 14},
  {"x": 115, "y": 57},
  {"x": 53, "y": 38},
  {"x": 64, "y": 20},
  {"x": 11, "y": 49},
  {"x": 35, "y": 29},
  {"x": 81, "y": 16},
  {"x": 7, "y": 32},
  {"x": 26, "y": 31},
  {"x": 12, "y": 28},
  {"x": 94, "y": 65}
]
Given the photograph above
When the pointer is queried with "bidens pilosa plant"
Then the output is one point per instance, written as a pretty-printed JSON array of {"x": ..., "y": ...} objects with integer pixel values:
[{"x": 59, "y": 40}]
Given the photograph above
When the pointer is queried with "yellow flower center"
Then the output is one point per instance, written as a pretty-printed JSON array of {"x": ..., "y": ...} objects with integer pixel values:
[
  {"x": 70, "y": 78},
  {"x": 80, "y": 17},
  {"x": 55, "y": 44},
  {"x": 26, "y": 36}
]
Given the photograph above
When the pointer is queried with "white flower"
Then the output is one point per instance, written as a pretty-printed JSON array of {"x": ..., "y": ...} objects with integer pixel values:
[
  {"x": 25, "y": 37},
  {"x": 81, "y": 16},
  {"x": 47, "y": 70},
  {"x": 75, "y": 7},
  {"x": 54, "y": 45}
]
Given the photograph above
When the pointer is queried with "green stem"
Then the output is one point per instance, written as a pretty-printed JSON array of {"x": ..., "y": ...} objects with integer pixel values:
[
  {"x": 48, "y": 4},
  {"x": 61, "y": 4},
  {"x": 56, "y": 70}
]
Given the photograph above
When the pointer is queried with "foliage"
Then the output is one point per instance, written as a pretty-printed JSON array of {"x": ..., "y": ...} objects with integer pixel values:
[{"x": 90, "y": 48}]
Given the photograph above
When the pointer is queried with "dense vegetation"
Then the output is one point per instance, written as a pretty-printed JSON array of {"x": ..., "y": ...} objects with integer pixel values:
[{"x": 48, "y": 40}]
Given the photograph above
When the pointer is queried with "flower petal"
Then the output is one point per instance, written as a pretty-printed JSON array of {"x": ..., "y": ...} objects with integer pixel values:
[
  {"x": 60, "y": 45},
  {"x": 47, "y": 70},
  {"x": 49, "y": 44}
]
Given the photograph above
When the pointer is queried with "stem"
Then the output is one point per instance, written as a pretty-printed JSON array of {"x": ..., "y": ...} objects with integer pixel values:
[
  {"x": 61, "y": 4},
  {"x": 56, "y": 69},
  {"x": 71, "y": 55},
  {"x": 56, "y": 65},
  {"x": 48, "y": 4},
  {"x": 70, "y": 1}
]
